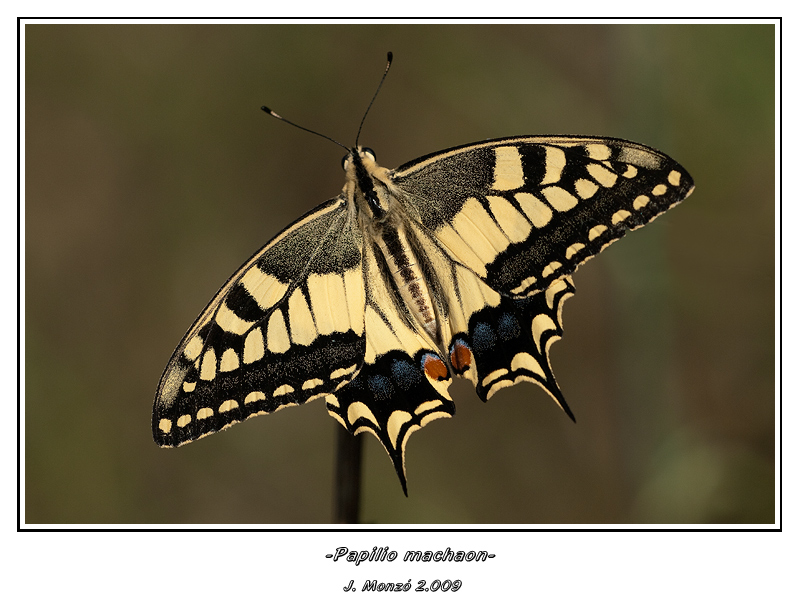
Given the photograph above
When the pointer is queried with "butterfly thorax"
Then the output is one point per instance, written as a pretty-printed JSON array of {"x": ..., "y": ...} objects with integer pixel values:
[
  {"x": 371, "y": 191},
  {"x": 368, "y": 184}
]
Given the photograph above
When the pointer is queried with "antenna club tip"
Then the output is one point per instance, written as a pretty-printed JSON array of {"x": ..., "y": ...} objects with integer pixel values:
[
  {"x": 389, "y": 56},
  {"x": 272, "y": 113}
]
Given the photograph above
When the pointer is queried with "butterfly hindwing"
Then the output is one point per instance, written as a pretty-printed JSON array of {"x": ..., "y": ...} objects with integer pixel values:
[
  {"x": 523, "y": 212},
  {"x": 403, "y": 382},
  {"x": 286, "y": 328},
  {"x": 494, "y": 339}
]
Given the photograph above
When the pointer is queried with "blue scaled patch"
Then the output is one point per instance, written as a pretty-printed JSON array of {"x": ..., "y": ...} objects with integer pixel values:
[
  {"x": 405, "y": 374},
  {"x": 508, "y": 327},
  {"x": 483, "y": 338}
]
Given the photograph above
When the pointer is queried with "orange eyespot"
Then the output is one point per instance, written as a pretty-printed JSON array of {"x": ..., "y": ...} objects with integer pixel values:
[
  {"x": 460, "y": 356},
  {"x": 434, "y": 367}
]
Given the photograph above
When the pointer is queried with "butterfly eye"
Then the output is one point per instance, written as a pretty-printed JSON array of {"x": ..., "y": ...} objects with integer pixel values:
[
  {"x": 345, "y": 161},
  {"x": 369, "y": 151}
]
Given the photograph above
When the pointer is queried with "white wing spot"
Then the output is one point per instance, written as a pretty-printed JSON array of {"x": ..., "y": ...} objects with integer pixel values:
[
  {"x": 229, "y": 321},
  {"x": 311, "y": 383},
  {"x": 254, "y": 397},
  {"x": 228, "y": 405},
  {"x": 229, "y": 361},
  {"x": 523, "y": 360},
  {"x": 253, "y": 346},
  {"x": 204, "y": 413},
  {"x": 596, "y": 231},
  {"x": 343, "y": 371},
  {"x": 396, "y": 420},
  {"x": 539, "y": 325},
  {"x": 674, "y": 178},
  {"x": 551, "y": 268},
  {"x": 585, "y": 188},
  {"x": 461, "y": 249},
  {"x": 493, "y": 376},
  {"x": 554, "y": 162},
  {"x": 354, "y": 290},
  {"x": 193, "y": 348},
  {"x": 475, "y": 225},
  {"x": 526, "y": 283},
  {"x": 209, "y": 366},
  {"x": 283, "y": 390},
  {"x": 620, "y": 216},
  {"x": 428, "y": 418},
  {"x": 640, "y": 202},
  {"x": 510, "y": 220},
  {"x": 630, "y": 172},
  {"x": 498, "y": 386},
  {"x": 184, "y": 420},
  {"x": 165, "y": 425},
  {"x": 277, "y": 336},
  {"x": 357, "y": 410},
  {"x": 555, "y": 287},
  {"x": 426, "y": 406},
  {"x": 574, "y": 249},
  {"x": 301, "y": 323},
  {"x": 559, "y": 198},
  {"x": 659, "y": 190},
  {"x": 329, "y": 302},
  {"x": 189, "y": 386},
  {"x": 264, "y": 289},
  {"x": 598, "y": 151},
  {"x": 536, "y": 210},
  {"x": 602, "y": 175},
  {"x": 508, "y": 173}
]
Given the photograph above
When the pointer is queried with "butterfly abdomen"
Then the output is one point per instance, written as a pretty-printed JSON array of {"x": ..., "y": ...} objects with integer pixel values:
[{"x": 408, "y": 277}]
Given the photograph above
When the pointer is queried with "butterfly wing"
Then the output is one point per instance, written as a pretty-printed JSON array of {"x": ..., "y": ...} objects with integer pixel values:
[
  {"x": 403, "y": 382},
  {"x": 523, "y": 212},
  {"x": 315, "y": 313},
  {"x": 288, "y": 327},
  {"x": 516, "y": 217}
]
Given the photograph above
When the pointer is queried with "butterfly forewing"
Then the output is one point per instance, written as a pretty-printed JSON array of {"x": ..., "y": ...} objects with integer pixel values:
[
  {"x": 286, "y": 328},
  {"x": 523, "y": 212}
]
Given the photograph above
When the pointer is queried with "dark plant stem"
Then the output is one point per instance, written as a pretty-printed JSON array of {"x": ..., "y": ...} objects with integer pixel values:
[{"x": 347, "y": 489}]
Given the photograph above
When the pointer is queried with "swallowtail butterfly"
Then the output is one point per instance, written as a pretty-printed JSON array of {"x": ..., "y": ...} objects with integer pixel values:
[{"x": 454, "y": 264}]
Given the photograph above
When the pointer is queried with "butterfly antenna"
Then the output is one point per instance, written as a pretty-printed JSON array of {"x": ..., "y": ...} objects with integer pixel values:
[
  {"x": 385, "y": 73},
  {"x": 272, "y": 113}
]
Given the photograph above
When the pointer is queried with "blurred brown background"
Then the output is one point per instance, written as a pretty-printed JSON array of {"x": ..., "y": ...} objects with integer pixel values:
[{"x": 151, "y": 175}]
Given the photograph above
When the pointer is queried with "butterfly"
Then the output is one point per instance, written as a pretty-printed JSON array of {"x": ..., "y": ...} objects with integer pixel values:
[{"x": 456, "y": 264}]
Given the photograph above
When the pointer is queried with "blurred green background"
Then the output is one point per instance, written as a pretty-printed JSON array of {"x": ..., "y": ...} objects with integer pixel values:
[{"x": 151, "y": 175}]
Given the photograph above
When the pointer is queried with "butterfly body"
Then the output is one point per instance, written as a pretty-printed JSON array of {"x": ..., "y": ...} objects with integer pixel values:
[{"x": 455, "y": 264}]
